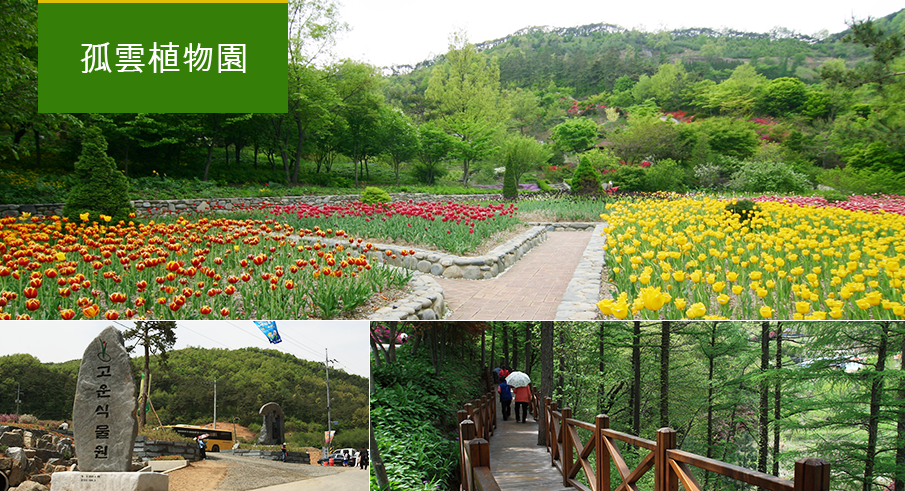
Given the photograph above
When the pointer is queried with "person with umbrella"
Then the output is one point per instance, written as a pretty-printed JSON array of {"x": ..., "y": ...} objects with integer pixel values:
[
  {"x": 202, "y": 445},
  {"x": 519, "y": 382}
]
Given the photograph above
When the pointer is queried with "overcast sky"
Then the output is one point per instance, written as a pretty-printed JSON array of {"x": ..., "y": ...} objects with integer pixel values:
[
  {"x": 58, "y": 341},
  {"x": 408, "y": 31}
]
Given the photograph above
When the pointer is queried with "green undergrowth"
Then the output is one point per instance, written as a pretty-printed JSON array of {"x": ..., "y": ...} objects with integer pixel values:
[{"x": 413, "y": 413}]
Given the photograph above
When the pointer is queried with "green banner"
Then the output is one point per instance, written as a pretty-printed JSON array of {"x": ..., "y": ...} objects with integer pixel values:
[{"x": 162, "y": 57}]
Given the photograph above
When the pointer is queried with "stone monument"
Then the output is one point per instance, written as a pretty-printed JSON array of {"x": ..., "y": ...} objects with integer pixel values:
[
  {"x": 104, "y": 423},
  {"x": 273, "y": 425}
]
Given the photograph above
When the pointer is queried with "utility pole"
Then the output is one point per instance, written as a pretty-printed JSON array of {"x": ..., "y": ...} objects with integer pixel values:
[
  {"x": 18, "y": 400},
  {"x": 215, "y": 400},
  {"x": 329, "y": 418}
]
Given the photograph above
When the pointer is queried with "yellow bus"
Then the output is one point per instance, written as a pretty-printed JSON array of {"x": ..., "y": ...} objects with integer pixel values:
[{"x": 215, "y": 440}]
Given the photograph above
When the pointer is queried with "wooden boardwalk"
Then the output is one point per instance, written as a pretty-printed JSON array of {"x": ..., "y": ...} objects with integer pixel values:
[{"x": 516, "y": 460}]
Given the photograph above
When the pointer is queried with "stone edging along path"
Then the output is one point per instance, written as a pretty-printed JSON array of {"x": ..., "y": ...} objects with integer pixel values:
[
  {"x": 579, "y": 303},
  {"x": 428, "y": 301}
]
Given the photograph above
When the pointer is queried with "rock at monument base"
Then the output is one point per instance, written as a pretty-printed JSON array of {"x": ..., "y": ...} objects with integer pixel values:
[
  {"x": 110, "y": 481},
  {"x": 32, "y": 486}
]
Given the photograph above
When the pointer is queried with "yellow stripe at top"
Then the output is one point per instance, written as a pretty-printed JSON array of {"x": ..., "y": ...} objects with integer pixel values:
[{"x": 163, "y": 1}]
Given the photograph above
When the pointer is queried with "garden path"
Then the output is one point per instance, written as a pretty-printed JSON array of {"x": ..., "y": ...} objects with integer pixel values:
[
  {"x": 517, "y": 461},
  {"x": 531, "y": 289}
]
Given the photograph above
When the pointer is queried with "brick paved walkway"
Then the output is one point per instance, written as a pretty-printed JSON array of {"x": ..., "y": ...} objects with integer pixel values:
[{"x": 531, "y": 289}]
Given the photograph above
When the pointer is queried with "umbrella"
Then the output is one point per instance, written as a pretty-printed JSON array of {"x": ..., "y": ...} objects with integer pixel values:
[
  {"x": 204, "y": 436},
  {"x": 518, "y": 379}
]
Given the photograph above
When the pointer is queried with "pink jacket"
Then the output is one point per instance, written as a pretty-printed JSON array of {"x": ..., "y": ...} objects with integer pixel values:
[{"x": 522, "y": 394}]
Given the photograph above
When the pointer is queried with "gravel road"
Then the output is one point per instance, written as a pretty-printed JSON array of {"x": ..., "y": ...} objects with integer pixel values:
[{"x": 247, "y": 473}]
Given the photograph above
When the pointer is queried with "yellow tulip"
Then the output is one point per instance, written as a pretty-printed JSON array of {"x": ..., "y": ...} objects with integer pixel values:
[
  {"x": 766, "y": 312},
  {"x": 680, "y": 303},
  {"x": 802, "y": 307}
]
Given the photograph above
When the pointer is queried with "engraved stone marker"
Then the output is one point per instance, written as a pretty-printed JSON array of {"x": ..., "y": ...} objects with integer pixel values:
[
  {"x": 103, "y": 414},
  {"x": 273, "y": 425}
]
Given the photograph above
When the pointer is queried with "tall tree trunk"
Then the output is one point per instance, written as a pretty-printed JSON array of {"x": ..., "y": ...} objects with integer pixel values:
[
  {"x": 777, "y": 400},
  {"x": 636, "y": 379},
  {"x": 764, "y": 413},
  {"x": 514, "y": 363},
  {"x": 873, "y": 424},
  {"x": 432, "y": 339},
  {"x": 207, "y": 165},
  {"x": 484, "y": 351},
  {"x": 562, "y": 369},
  {"x": 226, "y": 152},
  {"x": 493, "y": 347},
  {"x": 664, "y": 374},
  {"x": 238, "y": 152},
  {"x": 546, "y": 374},
  {"x": 505, "y": 361},
  {"x": 900, "y": 423},
  {"x": 391, "y": 352},
  {"x": 527, "y": 347},
  {"x": 256, "y": 155}
]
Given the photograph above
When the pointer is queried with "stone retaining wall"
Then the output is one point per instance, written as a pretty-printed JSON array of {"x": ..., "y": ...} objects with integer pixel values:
[
  {"x": 145, "y": 449},
  {"x": 579, "y": 302},
  {"x": 201, "y": 205},
  {"x": 427, "y": 302},
  {"x": 291, "y": 457}
]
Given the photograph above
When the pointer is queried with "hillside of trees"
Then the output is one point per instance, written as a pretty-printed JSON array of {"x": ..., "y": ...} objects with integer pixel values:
[
  {"x": 183, "y": 393},
  {"x": 710, "y": 106}
]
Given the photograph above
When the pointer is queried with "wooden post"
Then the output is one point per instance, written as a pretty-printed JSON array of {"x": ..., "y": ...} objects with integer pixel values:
[
  {"x": 812, "y": 474},
  {"x": 554, "y": 437},
  {"x": 485, "y": 418},
  {"x": 479, "y": 450},
  {"x": 566, "y": 460},
  {"x": 547, "y": 425},
  {"x": 469, "y": 409},
  {"x": 664, "y": 478},
  {"x": 461, "y": 415},
  {"x": 466, "y": 434},
  {"x": 602, "y": 422},
  {"x": 493, "y": 409}
]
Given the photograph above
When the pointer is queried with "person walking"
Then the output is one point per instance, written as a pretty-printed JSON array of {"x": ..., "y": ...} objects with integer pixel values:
[
  {"x": 285, "y": 453},
  {"x": 202, "y": 447},
  {"x": 505, "y": 399},
  {"x": 363, "y": 458},
  {"x": 522, "y": 397}
]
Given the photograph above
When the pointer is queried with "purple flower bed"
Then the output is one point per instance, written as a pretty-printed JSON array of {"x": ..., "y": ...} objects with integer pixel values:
[{"x": 523, "y": 187}]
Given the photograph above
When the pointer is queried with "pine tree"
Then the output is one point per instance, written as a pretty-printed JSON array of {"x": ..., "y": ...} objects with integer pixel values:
[
  {"x": 510, "y": 189},
  {"x": 101, "y": 188},
  {"x": 586, "y": 179}
]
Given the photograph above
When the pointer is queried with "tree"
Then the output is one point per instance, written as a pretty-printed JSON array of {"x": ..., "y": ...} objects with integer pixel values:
[
  {"x": 358, "y": 88},
  {"x": 510, "y": 188},
  {"x": 466, "y": 89},
  {"x": 434, "y": 147},
  {"x": 399, "y": 137},
  {"x": 574, "y": 135},
  {"x": 783, "y": 96},
  {"x": 523, "y": 154},
  {"x": 156, "y": 337},
  {"x": 546, "y": 377},
  {"x": 886, "y": 49},
  {"x": 586, "y": 179},
  {"x": 100, "y": 188}
]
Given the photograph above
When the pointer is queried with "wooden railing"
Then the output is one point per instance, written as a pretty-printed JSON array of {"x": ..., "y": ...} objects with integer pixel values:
[
  {"x": 477, "y": 422},
  {"x": 570, "y": 455}
]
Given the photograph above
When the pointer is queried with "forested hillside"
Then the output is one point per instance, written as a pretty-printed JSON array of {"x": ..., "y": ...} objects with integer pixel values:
[{"x": 246, "y": 378}]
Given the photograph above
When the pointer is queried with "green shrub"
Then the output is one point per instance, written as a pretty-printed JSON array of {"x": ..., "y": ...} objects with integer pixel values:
[
  {"x": 544, "y": 185},
  {"x": 708, "y": 176},
  {"x": 768, "y": 177},
  {"x": 28, "y": 419},
  {"x": 510, "y": 188},
  {"x": 100, "y": 188},
  {"x": 586, "y": 179},
  {"x": 834, "y": 196},
  {"x": 863, "y": 181},
  {"x": 630, "y": 178},
  {"x": 744, "y": 208},
  {"x": 666, "y": 175},
  {"x": 373, "y": 195}
]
